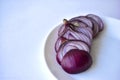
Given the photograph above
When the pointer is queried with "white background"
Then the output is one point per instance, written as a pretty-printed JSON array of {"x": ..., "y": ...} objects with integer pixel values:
[{"x": 24, "y": 25}]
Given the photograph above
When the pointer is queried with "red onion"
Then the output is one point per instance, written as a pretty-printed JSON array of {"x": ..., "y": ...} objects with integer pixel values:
[
  {"x": 74, "y": 43},
  {"x": 72, "y": 35},
  {"x": 97, "y": 19},
  {"x": 76, "y": 61},
  {"x": 78, "y": 23},
  {"x": 96, "y": 27},
  {"x": 87, "y": 31},
  {"x": 84, "y": 20},
  {"x": 58, "y": 43},
  {"x": 62, "y": 30},
  {"x": 71, "y": 44}
]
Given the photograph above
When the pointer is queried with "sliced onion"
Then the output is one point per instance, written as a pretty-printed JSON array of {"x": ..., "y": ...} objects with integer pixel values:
[
  {"x": 80, "y": 44},
  {"x": 97, "y": 19},
  {"x": 72, "y": 35},
  {"x": 76, "y": 61},
  {"x": 59, "y": 42},
  {"x": 96, "y": 27},
  {"x": 62, "y": 50},
  {"x": 67, "y": 46},
  {"x": 74, "y": 43},
  {"x": 78, "y": 23},
  {"x": 84, "y": 20},
  {"x": 87, "y": 31},
  {"x": 62, "y": 30}
]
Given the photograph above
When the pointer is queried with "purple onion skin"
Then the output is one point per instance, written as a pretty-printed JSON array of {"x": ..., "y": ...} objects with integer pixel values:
[{"x": 76, "y": 61}]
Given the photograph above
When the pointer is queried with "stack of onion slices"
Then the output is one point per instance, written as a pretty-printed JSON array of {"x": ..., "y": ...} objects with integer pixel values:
[{"x": 74, "y": 42}]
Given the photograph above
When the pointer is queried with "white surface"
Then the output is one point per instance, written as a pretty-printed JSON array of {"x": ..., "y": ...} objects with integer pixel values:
[
  {"x": 23, "y": 28},
  {"x": 105, "y": 55}
]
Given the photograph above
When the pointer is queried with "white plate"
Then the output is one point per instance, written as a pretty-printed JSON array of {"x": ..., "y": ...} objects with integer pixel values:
[{"x": 105, "y": 54}]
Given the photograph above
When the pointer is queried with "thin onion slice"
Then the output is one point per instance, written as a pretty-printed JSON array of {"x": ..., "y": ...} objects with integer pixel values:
[
  {"x": 62, "y": 30},
  {"x": 71, "y": 45},
  {"x": 97, "y": 19},
  {"x": 62, "y": 50},
  {"x": 84, "y": 20},
  {"x": 82, "y": 29},
  {"x": 87, "y": 31},
  {"x": 96, "y": 27},
  {"x": 78, "y": 23},
  {"x": 59, "y": 42},
  {"x": 72, "y": 35}
]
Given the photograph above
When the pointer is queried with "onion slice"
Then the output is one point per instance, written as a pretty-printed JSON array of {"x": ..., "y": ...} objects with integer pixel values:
[
  {"x": 59, "y": 42},
  {"x": 96, "y": 27},
  {"x": 97, "y": 19},
  {"x": 68, "y": 45},
  {"x": 62, "y": 30},
  {"x": 82, "y": 19},
  {"x": 76, "y": 61},
  {"x": 87, "y": 31},
  {"x": 78, "y": 23},
  {"x": 72, "y": 35}
]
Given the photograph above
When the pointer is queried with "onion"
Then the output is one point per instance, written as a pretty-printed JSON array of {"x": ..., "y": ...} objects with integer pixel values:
[
  {"x": 64, "y": 48},
  {"x": 87, "y": 31},
  {"x": 76, "y": 61},
  {"x": 96, "y": 27},
  {"x": 72, "y": 35},
  {"x": 78, "y": 44},
  {"x": 64, "y": 27},
  {"x": 78, "y": 23},
  {"x": 58, "y": 43},
  {"x": 71, "y": 44},
  {"x": 97, "y": 19},
  {"x": 74, "y": 42},
  {"x": 62, "y": 30},
  {"x": 82, "y": 19}
]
